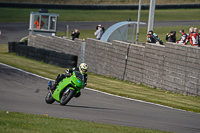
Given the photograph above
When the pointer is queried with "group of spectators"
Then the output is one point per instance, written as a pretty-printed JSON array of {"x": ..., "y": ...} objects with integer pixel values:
[
  {"x": 193, "y": 37},
  {"x": 99, "y": 32}
]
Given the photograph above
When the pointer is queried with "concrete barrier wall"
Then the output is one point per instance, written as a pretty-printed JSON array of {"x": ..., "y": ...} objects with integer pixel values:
[
  {"x": 106, "y": 58},
  {"x": 171, "y": 67},
  {"x": 57, "y": 44},
  {"x": 135, "y": 64},
  {"x": 153, "y": 65}
]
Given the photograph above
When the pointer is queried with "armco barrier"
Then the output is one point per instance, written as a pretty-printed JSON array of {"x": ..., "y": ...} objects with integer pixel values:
[
  {"x": 96, "y": 7},
  {"x": 172, "y": 67},
  {"x": 47, "y": 56}
]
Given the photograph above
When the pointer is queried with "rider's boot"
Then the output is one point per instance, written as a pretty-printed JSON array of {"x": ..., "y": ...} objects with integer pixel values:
[
  {"x": 49, "y": 85},
  {"x": 78, "y": 94},
  {"x": 54, "y": 86}
]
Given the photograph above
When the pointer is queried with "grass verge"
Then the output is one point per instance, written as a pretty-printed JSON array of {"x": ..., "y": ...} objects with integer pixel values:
[
  {"x": 21, "y": 122},
  {"x": 106, "y": 84},
  {"x": 23, "y": 15}
]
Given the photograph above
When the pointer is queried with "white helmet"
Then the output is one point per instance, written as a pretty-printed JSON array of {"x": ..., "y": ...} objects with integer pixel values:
[{"x": 83, "y": 68}]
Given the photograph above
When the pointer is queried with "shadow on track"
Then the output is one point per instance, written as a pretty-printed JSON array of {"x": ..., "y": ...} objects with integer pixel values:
[{"x": 75, "y": 106}]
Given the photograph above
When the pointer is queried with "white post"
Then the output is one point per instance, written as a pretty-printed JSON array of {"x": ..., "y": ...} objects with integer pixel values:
[
  {"x": 138, "y": 21},
  {"x": 133, "y": 33},
  {"x": 67, "y": 30},
  {"x": 151, "y": 15}
]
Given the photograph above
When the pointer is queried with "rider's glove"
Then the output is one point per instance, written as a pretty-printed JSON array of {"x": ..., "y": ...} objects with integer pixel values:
[{"x": 67, "y": 71}]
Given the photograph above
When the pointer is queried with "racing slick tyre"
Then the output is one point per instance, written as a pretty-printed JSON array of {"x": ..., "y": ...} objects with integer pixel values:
[
  {"x": 67, "y": 97},
  {"x": 49, "y": 99}
]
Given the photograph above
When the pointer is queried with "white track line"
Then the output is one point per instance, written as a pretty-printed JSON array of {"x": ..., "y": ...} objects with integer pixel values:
[{"x": 98, "y": 91}]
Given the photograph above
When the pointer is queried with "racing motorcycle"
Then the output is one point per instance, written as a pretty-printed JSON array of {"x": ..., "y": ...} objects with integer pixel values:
[{"x": 66, "y": 89}]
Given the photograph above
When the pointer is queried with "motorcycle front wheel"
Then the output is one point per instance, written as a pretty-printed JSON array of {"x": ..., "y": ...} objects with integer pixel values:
[
  {"x": 49, "y": 99},
  {"x": 67, "y": 97}
]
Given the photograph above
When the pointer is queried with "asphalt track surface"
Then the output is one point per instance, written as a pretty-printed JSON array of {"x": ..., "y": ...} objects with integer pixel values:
[
  {"x": 16, "y": 31},
  {"x": 23, "y": 92}
]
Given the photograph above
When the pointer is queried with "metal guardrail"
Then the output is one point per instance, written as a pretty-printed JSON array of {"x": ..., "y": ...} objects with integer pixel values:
[{"x": 96, "y": 7}]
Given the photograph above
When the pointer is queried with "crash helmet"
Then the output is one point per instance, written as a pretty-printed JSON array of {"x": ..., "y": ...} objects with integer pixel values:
[{"x": 83, "y": 68}]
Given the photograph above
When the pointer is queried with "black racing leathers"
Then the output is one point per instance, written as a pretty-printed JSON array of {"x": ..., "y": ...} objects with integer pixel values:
[{"x": 77, "y": 69}]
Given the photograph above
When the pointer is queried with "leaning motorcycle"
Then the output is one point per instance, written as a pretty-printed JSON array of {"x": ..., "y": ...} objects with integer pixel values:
[{"x": 66, "y": 89}]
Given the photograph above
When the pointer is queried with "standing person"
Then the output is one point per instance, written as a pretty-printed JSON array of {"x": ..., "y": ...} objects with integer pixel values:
[
  {"x": 99, "y": 32},
  {"x": 199, "y": 36},
  {"x": 75, "y": 34},
  {"x": 193, "y": 37},
  {"x": 171, "y": 37},
  {"x": 37, "y": 23},
  {"x": 183, "y": 37},
  {"x": 101, "y": 27},
  {"x": 196, "y": 31},
  {"x": 150, "y": 39}
]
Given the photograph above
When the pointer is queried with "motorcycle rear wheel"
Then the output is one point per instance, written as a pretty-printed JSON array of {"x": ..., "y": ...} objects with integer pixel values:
[
  {"x": 49, "y": 99},
  {"x": 67, "y": 97}
]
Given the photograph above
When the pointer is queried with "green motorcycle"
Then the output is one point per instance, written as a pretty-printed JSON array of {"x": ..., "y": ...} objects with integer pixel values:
[{"x": 66, "y": 89}]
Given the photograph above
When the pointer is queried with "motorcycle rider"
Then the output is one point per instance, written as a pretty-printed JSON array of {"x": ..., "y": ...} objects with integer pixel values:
[{"x": 83, "y": 68}]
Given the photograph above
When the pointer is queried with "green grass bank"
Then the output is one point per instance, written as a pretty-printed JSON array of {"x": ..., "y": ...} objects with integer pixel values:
[
  {"x": 12, "y": 122},
  {"x": 23, "y": 15}
]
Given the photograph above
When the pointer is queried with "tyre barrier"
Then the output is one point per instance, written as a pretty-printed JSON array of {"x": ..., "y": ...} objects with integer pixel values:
[
  {"x": 96, "y": 7},
  {"x": 11, "y": 47},
  {"x": 47, "y": 56}
]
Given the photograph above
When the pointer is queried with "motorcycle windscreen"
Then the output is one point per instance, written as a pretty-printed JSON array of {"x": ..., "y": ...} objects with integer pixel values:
[{"x": 79, "y": 80}]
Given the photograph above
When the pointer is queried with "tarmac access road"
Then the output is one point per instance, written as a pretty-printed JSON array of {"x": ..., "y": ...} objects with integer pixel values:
[
  {"x": 23, "y": 92},
  {"x": 16, "y": 31}
]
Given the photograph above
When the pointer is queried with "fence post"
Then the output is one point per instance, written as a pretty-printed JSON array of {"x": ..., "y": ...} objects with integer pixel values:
[
  {"x": 83, "y": 51},
  {"x": 67, "y": 30}
]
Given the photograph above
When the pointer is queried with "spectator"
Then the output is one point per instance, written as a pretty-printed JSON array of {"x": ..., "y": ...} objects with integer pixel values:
[
  {"x": 101, "y": 27},
  {"x": 99, "y": 32},
  {"x": 195, "y": 29},
  {"x": 158, "y": 40},
  {"x": 150, "y": 39},
  {"x": 199, "y": 36},
  {"x": 171, "y": 37},
  {"x": 183, "y": 37},
  {"x": 150, "y": 32},
  {"x": 193, "y": 37},
  {"x": 75, "y": 34}
]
